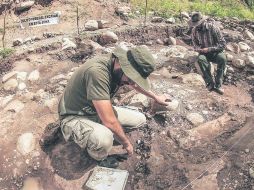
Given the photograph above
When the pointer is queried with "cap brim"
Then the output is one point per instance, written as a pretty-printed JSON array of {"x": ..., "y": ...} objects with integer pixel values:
[
  {"x": 194, "y": 24},
  {"x": 129, "y": 70}
]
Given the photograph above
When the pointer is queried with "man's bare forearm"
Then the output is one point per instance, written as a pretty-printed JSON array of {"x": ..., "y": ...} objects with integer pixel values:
[
  {"x": 117, "y": 129},
  {"x": 149, "y": 93}
]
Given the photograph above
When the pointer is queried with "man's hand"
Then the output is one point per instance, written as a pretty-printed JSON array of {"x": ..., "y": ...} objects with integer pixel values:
[
  {"x": 204, "y": 50},
  {"x": 129, "y": 148},
  {"x": 162, "y": 99}
]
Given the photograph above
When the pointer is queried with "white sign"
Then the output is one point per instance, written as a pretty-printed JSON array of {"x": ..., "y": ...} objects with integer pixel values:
[{"x": 40, "y": 20}]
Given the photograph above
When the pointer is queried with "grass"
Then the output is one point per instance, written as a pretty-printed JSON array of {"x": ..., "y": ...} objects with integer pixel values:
[
  {"x": 220, "y": 8},
  {"x": 6, "y": 52}
]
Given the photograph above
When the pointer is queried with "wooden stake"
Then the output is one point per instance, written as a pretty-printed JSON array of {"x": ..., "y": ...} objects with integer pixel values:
[
  {"x": 77, "y": 20},
  {"x": 3, "y": 37},
  {"x": 145, "y": 13}
]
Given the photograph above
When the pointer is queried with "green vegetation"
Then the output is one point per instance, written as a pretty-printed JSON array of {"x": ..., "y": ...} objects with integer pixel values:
[
  {"x": 5, "y": 52},
  {"x": 220, "y": 8}
]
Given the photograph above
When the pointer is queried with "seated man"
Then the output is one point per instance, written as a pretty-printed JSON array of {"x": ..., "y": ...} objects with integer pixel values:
[
  {"x": 209, "y": 42},
  {"x": 86, "y": 113}
]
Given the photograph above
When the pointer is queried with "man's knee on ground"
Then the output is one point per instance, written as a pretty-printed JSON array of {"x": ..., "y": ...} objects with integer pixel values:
[
  {"x": 141, "y": 120},
  {"x": 101, "y": 139},
  {"x": 202, "y": 59}
]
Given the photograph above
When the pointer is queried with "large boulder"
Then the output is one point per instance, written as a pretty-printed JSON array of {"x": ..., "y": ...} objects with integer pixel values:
[
  {"x": 91, "y": 25},
  {"x": 202, "y": 134},
  {"x": 108, "y": 37}
]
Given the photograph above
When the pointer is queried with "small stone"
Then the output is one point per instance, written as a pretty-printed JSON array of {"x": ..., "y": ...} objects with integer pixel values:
[
  {"x": 51, "y": 104},
  {"x": 171, "y": 20},
  {"x": 139, "y": 100},
  {"x": 34, "y": 75},
  {"x": 14, "y": 106},
  {"x": 247, "y": 150},
  {"x": 229, "y": 57},
  {"x": 5, "y": 100},
  {"x": 22, "y": 86},
  {"x": 17, "y": 42},
  {"x": 11, "y": 85},
  {"x": 108, "y": 37},
  {"x": 157, "y": 19},
  {"x": 243, "y": 46},
  {"x": 171, "y": 41},
  {"x": 192, "y": 78},
  {"x": 68, "y": 44},
  {"x": 159, "y": 41},
  {"x": 195, "y": 118},
  {"x": 249, "y": 35},
  {"x": 32, "y": 184},
  {"x": 91, "y": 25},
  {"x": 173, "y": 105},
  {"x": 8, "y": 76},
  {"x": 238, "y": 63},
  {"x": 251, "y": 172},
  {"x": 185, "y": 14},
  {"x": 21, "y": 76},
  {"x": 26, "y": 143},
  {"x": 250, "y": 61},
  {"x": 24, "y": 5}
]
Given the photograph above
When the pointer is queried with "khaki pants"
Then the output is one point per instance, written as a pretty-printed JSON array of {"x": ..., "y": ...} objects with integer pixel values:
[{"x": 97, "y": 138}]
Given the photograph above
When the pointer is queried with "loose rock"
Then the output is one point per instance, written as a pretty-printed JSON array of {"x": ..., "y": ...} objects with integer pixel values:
[
  {"x": 8, "y": 76},
  {"x": 243, "y": 46},
  {"x": 14, "y": 106},
  {"x": 238, "y": 63},
  {"x": 195, "y": 118},
  {"x": 192, "y": 78},
  {"x": 24, "y": 5},
  {"x": 34, "y": 75},
  {"x": 108, "y": 37},
  {"x": 26, "y": 143},
  {"x": 11, "y": 85},
  {"x": 91, "y": 25},
  {"x": 17, "y": 42}
]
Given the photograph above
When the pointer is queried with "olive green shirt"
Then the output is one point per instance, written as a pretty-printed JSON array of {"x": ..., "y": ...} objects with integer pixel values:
[{"x": 91, "y": 81}]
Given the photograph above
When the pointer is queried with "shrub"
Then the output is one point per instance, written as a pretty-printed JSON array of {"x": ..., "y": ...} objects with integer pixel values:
[
  {"x": 5, "y": 52},
  {"x": 221, "y": 8}
]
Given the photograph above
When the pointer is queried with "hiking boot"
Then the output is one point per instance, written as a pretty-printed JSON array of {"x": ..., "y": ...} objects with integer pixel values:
[
  {"x": 218, "y": 90},
  {"x": 51, "y": 136},
  {"x": 210, "y": 86},
  {"x": 109, "y": 162}
]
